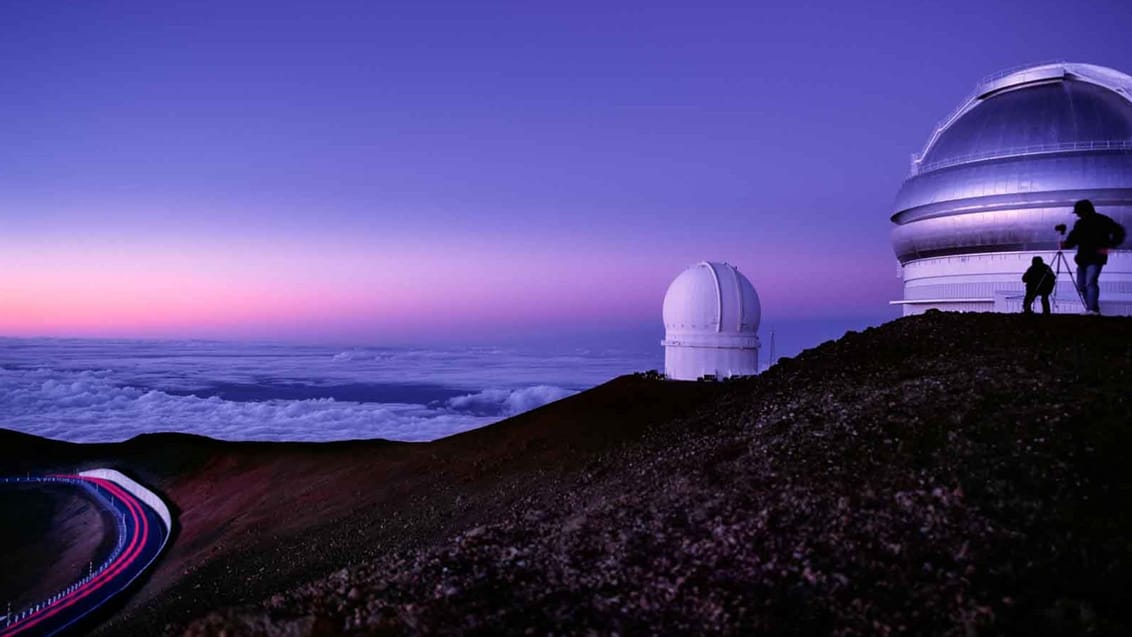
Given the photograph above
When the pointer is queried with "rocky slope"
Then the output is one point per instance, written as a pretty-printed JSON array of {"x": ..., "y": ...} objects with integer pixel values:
[
  {"x": 253, "y": 519},
  {"x": 943, "y": 474}
]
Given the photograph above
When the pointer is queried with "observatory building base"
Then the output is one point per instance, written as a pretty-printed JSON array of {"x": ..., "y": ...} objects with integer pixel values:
[
  {"x": 692, "y": 363},
  {"x": 993, "y": 283}
]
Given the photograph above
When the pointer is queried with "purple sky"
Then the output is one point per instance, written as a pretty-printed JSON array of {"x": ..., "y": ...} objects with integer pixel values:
[{"x": 387, "y": 172}]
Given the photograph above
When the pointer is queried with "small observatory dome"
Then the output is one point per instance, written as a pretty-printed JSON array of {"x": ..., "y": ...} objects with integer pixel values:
[{"x": 711, "y": 321}]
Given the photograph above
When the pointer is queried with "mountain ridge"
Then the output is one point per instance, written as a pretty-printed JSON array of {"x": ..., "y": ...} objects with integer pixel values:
[{"x": 938, "y": 474}]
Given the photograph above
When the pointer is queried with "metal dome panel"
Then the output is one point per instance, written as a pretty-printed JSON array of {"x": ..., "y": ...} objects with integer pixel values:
[
  {"x": 1061, "y": 178},
  {"x": 712, "y": 297},
  {"x": 1051, "y": 115}
]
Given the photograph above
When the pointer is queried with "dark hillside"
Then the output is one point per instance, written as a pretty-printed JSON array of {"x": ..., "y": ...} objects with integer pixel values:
[
  {"x": 257, "y": 518},
  {"x": 52, "y": 535},
  {"x": 944, "y": 474}
]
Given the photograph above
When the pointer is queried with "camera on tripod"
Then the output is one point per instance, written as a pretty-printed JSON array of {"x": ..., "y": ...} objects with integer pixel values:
[{"x": 1060, "y": 260}]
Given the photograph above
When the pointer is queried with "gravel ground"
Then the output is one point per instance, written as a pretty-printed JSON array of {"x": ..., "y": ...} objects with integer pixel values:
[{"x": 944, "y": 474}]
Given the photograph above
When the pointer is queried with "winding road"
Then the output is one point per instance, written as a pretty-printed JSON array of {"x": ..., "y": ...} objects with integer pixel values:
[{"x": 143, "y": 525}]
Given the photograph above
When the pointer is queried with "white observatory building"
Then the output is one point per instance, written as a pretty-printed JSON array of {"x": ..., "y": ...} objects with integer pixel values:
[
  {"x": 711, "y": 322},
  {"x": 999, "y": 173}
]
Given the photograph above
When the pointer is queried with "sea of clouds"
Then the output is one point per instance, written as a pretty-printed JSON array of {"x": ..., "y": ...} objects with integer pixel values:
[{"x": 100, "y": 391}]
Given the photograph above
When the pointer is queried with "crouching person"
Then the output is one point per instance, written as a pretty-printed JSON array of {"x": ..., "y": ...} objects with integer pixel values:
[{"x": 1039, "y": 280}]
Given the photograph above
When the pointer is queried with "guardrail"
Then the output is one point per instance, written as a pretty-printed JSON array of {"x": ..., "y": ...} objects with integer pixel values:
[
  {"x": 1037, "y": 149},
  {"x": 140, "y": 492},
  {"x": 92, "y": 573},
  {"x": 998, "y": 75}
]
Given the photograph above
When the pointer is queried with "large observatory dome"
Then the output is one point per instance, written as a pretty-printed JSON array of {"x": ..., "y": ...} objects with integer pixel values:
[
  {"x": 711, "y": 322},
  {"x": 1044, "y": 115},
  {"x": 1000, "y": 172}
]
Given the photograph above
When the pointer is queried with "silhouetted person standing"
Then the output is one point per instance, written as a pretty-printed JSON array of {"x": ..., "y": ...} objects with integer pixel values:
[
  {"x": 1093, "y": 235},
  {"x": 1039, "y": 280}
]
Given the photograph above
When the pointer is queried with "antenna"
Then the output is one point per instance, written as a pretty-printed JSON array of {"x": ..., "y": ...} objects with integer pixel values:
[{"x": 770, "y": 356}]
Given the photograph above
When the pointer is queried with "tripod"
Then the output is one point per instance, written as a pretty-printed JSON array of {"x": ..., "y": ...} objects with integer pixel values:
[{"x": 1058, "y": 260}]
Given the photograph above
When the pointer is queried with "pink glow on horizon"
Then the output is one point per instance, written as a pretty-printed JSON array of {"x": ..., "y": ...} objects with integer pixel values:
[{"x": 321, "y": 290}]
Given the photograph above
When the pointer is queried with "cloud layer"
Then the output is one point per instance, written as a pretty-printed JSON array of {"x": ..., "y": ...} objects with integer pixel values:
[
  {"x": 96, "y": 391},
  {"x": 86, "y": 406},
  {"x": 501, "y": 402}
]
